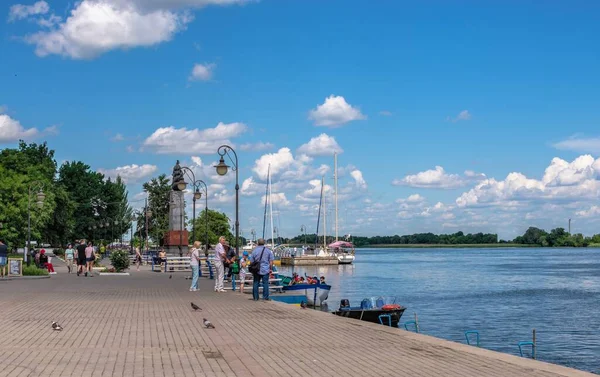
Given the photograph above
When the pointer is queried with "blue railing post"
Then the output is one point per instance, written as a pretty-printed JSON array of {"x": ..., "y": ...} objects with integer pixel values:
[
  {"x": 472, "y": 332},
  {"x": 532, "y": 344}
]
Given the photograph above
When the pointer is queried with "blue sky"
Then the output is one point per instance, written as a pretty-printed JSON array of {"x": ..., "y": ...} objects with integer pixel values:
[{"x": 478, "y": 89}]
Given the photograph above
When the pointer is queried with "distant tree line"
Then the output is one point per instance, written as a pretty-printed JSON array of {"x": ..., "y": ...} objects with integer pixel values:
[
  {"x": 458, "y": 238},
  {"x": 533, "y": 236},
  {"x": 556, "y": 238}
]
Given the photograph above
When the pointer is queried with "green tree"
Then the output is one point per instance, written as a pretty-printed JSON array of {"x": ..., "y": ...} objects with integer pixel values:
[
  {"x": 159, "y": 191},
  {"x": 218, "y": 225}
]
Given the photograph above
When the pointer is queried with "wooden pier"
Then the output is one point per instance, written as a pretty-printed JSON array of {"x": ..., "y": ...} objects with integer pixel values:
[
  {"x": 309, "y": 260},
  {"x": 143, "y": 325}
]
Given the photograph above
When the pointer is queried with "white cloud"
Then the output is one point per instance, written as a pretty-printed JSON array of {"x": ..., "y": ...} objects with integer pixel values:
[
  {"x": 562, "y": 181},
  {"x": 20, "y": 11},
  {"x": 11, "y": 130},
  {"x": 358, "y": 179},
  {"x": 279, "y": 161},
  {"x": 334, "y": 112},
  {"x": 438, "y": 178},
  {"x": 592, "y": 211},
  {"x": 256, "y": 147},
  {"x": 251, "y": 188},
  {"x": 118, "y": 137},
  {"x": 202, "y": 72},
  {"x": 579, "y": 144},
  {"x": 130, "y": 173},
  {"x": 98, "y": 26},
  {"x": 277, "y": 198},
  {"x": 171, "y": 140},
  {"x": 463, "y": 115},
  {"x": 322, "y": 145}
]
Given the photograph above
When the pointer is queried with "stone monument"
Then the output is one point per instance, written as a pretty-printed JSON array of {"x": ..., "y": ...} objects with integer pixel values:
[{"x": 176, "y": 239}]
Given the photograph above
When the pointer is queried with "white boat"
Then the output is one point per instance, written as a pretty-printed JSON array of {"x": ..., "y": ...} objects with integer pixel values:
[{"x": 249, "y": 246}]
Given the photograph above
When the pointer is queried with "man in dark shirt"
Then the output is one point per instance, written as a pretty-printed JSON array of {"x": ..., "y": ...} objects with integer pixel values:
[
  {"x": 81, "y": 262},
  {"x": 3, "y": 259}
]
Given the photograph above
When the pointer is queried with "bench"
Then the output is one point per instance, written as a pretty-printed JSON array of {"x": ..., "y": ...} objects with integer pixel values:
[{"x": 179, "y": 264}]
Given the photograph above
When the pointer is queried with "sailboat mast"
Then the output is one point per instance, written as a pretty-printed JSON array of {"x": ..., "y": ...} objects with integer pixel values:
[
  {"x": 335, "y": 177},
  {"x": 271, "y": 211},
  {"x": 324, "y": 214},
  {"x": 266, "y": 199}
]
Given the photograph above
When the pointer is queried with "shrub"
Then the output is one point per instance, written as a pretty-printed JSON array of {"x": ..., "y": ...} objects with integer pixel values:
[
  {"x": 119, "y": 260},
  {"x": 33, "y": 270}
]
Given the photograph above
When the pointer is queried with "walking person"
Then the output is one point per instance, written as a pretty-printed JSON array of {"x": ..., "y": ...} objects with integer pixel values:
[
  {"x": 3, "y": 259},
  {"x": 218, "y": 261},
  {"x": 90, "y": 257},
  {"x": 69, "y": 255},
  {"x": 138, "y": 258},
  {"x": 195, "y": 264},
  {"x": 81, "y": 262},
  {"x": 265, "y": 257}
]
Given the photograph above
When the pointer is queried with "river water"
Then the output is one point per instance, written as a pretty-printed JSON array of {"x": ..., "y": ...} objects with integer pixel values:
[{"x": 502, "y": 293}]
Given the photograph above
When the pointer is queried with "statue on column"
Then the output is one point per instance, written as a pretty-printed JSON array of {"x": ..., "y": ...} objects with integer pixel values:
[{"x": 177, "y": 176}]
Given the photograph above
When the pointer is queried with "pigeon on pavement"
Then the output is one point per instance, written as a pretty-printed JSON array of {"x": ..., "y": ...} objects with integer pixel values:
[
  {"x": 170, "y": 276},
  {"x": 56, "y": 326},
  {"x": 208, "y": 324},
  {"x": 195, "y": 307}
]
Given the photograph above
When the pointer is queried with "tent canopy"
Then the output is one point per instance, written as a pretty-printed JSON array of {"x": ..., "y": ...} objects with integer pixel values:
[{"x": 340, "y": 244}]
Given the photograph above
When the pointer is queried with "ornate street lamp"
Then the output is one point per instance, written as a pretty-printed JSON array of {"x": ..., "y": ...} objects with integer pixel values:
[
  {"x": 40, "y": 196},
  {"x": 181, "y": 185},
  {"x": 222, "y": 168}
]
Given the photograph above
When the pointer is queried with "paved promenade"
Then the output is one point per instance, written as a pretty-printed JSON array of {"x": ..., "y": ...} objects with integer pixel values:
[{"x": 142, "y": 325}]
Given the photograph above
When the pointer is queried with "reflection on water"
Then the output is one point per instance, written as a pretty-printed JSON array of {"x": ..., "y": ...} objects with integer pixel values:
[{"x": 503, "y": 293}]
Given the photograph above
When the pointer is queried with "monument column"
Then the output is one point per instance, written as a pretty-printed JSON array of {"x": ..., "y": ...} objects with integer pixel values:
[{"x": 176, "y": 240}]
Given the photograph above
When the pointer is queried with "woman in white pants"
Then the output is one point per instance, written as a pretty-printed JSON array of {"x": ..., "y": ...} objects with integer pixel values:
[{"x": 218, "y": 260}]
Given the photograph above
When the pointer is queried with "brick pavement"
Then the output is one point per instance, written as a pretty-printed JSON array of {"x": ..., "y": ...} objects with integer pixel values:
[{"x": 142, "y": 325}]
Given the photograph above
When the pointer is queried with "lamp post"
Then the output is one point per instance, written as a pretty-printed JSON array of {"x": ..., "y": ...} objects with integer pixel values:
[
  {"x": 181, "y": 185},
  {"x": 131, "y": 234},
  {"x": 222, "y": 168},
  {"x": 40, "y": 196},
  {"x": 147, "y": 215}
]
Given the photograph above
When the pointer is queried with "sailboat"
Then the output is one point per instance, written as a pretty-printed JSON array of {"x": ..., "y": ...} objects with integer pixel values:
[{"x": 344, "y": 250}]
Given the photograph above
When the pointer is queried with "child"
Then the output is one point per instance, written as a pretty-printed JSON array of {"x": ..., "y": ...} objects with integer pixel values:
[{"x": 244, "y": 262}]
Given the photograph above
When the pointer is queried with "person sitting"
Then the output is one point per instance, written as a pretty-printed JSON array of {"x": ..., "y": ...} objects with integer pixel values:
[
  {"x": 322, "y": 281},
  {"x": 45, "y": 261},
  {"x": 162, "y": 259}
]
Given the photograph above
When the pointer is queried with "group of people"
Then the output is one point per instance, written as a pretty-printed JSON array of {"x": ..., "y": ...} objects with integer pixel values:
[
  {"x": 297, "y": 279},
  {"x": 225, "y": 256},
  {"x": 83, "y": 255}
]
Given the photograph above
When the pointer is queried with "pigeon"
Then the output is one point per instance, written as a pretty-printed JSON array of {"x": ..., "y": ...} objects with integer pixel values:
[
  {"x": 56, "y": 326},
  {"x": 170, "y": 276},
  {"x": 195, "y": 307},
  {"x": 303, "y": 305},
  {"x": 208, "y": 324}
]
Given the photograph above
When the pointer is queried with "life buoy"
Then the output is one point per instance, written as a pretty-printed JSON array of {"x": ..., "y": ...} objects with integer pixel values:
[{"x": 390, "y": 307}]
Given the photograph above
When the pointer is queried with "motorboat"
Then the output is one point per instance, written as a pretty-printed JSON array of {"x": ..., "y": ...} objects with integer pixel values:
[
  {"x": 381, "y": 310},
  {"x": 344, "y": 251}
]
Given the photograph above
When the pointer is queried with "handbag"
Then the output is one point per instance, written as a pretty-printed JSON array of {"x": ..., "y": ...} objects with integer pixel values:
[{"x": 255, "y": 266}]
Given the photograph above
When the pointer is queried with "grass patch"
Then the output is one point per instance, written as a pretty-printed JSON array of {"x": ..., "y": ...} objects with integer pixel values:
[{"x": 33, "y": 270}]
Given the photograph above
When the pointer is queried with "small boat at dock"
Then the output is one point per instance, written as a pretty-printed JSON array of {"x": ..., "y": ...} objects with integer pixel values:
[{"x": 381, "y": 310}]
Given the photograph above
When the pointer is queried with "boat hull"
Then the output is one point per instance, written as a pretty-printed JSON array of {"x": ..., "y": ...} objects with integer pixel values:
[
  {"x": 372, "y": 315},
  {"x": 316, "y": 294},
  {"x": 345, "y": 258}
]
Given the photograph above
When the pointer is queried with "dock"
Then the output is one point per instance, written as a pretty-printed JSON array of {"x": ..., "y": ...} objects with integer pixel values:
[
  {"x": 143, "y": 325},
  {"x": 309, "y": 260}
]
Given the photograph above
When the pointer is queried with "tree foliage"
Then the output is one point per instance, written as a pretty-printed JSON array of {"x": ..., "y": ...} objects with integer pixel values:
[
  {"x": 76, "y": 198},
  {"x": 218, "y": 225},
  {"x": 158, "y": 190}
]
